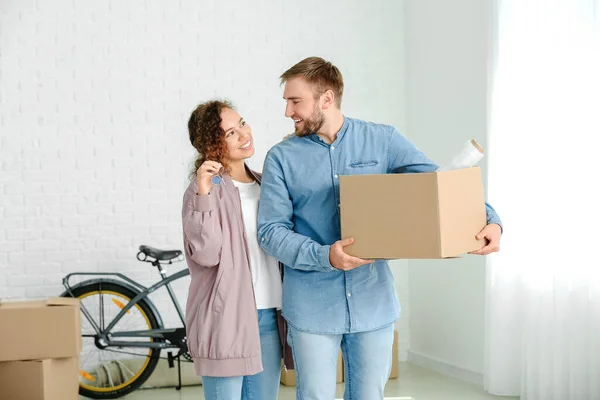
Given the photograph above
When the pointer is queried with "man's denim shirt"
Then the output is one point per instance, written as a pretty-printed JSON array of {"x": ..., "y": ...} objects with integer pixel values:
[{"x": 299, "y": 219}]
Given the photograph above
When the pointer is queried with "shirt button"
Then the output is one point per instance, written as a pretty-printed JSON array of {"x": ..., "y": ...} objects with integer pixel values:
[
  {"x": 332, "y": 147},
  {"x": 335, "y": 176},
  {"x": 262, "y": 240},
  {"x": 349, "y": 294}
]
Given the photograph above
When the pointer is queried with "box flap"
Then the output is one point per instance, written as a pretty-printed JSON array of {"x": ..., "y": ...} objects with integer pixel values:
[
  {"x": 51, "y": 301},
  {"x": 62, "y": 301},
  {"x": 21, "y": 303}
]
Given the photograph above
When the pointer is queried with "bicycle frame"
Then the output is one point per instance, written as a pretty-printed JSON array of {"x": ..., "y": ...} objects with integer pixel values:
[{"x": 106, "y": 335}]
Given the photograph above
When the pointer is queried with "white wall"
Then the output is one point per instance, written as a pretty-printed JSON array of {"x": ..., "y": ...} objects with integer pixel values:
[
  {"x": 446, "y": 47},
  {"x": 94, "y": 101}
]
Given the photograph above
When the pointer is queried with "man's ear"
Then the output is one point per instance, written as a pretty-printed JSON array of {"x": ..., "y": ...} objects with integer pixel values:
[{"x": 328, "y": 99}]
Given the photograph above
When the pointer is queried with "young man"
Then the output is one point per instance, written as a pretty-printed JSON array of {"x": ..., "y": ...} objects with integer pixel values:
[{"x": 331, "y": 299}]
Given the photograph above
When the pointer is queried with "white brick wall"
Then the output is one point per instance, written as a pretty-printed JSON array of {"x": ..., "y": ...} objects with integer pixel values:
[{"x": 94, "y": 101}]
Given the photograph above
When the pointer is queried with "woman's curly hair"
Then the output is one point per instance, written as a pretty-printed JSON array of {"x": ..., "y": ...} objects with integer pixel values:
[{"x": 206, "y": 134}]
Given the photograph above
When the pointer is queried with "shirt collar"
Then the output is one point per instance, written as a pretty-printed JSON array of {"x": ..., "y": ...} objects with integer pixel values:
[{"x": 341, "y": 133}]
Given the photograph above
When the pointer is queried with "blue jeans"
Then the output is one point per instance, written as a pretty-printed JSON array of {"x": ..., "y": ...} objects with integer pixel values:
[
  {"x": 367, "y": 363},
  {"x": 262, "y": 386}
]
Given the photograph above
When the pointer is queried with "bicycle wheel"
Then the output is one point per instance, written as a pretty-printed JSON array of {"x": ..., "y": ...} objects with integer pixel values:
[{"x": 114, "y": 371}]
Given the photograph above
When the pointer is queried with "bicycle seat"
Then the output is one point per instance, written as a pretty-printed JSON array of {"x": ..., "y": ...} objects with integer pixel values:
[{"x": 161, "y": 255}]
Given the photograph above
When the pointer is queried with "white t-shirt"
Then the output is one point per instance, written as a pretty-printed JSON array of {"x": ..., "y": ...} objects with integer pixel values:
[{"x": 265, "y": 269}]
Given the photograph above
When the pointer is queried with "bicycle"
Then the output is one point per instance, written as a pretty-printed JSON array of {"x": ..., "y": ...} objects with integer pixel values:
[{"x": 137, "y": 328}]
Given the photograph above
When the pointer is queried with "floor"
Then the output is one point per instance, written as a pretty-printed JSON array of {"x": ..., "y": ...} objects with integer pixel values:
[{"x": 414, "y": 383}]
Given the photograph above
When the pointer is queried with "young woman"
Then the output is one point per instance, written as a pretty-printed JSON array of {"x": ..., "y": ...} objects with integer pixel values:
[{"x": 235, "y": 291}]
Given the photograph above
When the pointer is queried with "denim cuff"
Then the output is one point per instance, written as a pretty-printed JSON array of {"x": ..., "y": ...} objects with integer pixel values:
[
  {"x": 496, "y": 220},
  {"x": 324, "y": 256}
]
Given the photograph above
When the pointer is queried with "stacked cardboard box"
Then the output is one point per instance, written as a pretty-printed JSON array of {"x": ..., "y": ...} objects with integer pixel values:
[
  {"x": 40, "y": 342},
  {"x": 394, "y": 371},
  {"x": 288, "y": 377}
]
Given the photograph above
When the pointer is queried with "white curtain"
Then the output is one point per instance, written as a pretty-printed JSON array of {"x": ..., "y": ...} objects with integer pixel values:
[{"x": 543, "y": 294}]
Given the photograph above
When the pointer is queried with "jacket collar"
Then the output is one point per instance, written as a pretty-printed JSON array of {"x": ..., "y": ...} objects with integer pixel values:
[{"x": 257, "y": 176}]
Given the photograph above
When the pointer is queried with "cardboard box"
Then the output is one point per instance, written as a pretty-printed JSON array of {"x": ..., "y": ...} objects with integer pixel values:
[
  {"x": 288, "y": 377},
  {"x": 35, "y": 330},
  {"x": 56, "y": 379},
  {"x": 395, "y": 365},
  {"x": 427, "y": 215}
]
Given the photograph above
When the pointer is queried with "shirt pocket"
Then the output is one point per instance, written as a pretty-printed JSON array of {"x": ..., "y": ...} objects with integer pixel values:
[{"x": 366, "y": 166}]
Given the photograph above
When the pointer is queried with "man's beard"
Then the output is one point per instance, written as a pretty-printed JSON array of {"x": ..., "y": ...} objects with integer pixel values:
[{"x": 312, "y": 125}]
